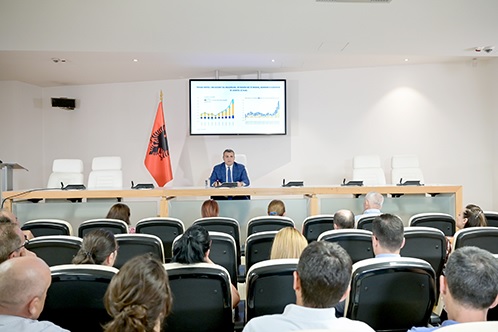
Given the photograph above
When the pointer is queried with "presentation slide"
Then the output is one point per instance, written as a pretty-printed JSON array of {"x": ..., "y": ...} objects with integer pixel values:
[{"x": 237, "y": 107}]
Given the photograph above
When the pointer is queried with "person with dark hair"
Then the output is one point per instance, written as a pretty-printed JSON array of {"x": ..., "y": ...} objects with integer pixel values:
[
  {"x": 471, "y": 216},
  {"x": 468, "y": 286},
  {"x": 138, "y": 297},
  {"x": 98, "y": 247},
  {"x": 387, "y": 235},
  {"x": 12, "y": 240},
  {"x": 210, "y": 208},
  {"x": 276, "y": 208},
  {"x": 121, "y": 211},
  {"x": 193, "y": 247},
  {"x": 343, "y": 219},
  {"x": 229, "y": 171},
  {"x": 320, "y": 282},
  {"x": 24, "y": 282}
]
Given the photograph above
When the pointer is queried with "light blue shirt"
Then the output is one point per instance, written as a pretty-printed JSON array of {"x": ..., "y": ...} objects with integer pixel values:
[
  {"x": 368, "y": 212},
  {"x": 429, "y": 329},
  {"x": 296, "y": 317},
  {"x": 21, "y": 324}
]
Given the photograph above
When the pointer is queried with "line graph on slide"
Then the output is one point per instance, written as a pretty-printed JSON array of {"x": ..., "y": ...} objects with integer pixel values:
[{"x": 262, "y": 115}]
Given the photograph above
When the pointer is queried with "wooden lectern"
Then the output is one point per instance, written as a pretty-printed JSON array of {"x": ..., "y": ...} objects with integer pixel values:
[{"x": 7, "y": 174}]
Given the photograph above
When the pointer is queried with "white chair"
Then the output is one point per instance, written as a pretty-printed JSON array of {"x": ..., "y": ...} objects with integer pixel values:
[
  {"x": 67, "y": 171},
  {"x": 241, "y": 159},
  {"x": 405, "y": 168},
  {"x": 368, "y": 169},
  {"x": 106, "y": 173}
]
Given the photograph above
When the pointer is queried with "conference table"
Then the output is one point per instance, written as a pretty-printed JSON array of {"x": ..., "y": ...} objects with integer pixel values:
[{"x": 312, "y": 194}]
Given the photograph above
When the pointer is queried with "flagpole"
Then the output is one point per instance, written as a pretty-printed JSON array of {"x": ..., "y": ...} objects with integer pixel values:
[{"x": 161, "y": 96}]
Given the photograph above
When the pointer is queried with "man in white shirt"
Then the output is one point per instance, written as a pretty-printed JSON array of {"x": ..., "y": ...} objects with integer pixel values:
[
  {"x": 320, "y": 282},
  {"x": 24, "y": 282}
]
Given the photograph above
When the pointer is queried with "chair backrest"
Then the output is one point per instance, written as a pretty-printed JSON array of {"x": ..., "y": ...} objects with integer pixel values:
[
  {"x": 115, "y": 226},
  {"x": 166, "y": 228},
  {"x": 269, "y": 287},
  {"x": 365, "y": 222},
  {"x": 482, "y": 237},
  {"x": 407, "y": 168},
  {"x": 368, "y": 169},
  {"x": 392, "y": 293},
  {"x": 41, "y": 227},
  {"x": 268, "y": 223},
  {"x": 491, "y": 218},
  {"x": 106, "y": 173},
  {"x": 224, "y": 252},
  {"x": 226, "y": 225},
  {"x": 131, "y": 245},
  {"x": 67, "y": 171},
  {"x": 202, "y": 299},
  {"x": 241, "y": 159},
  {"x": 75, "y": 297},
  {"x": 442, "y": 221},
  {"x": 315, "y": 225},
  {"x": 357, "y": 242},
  {"x": 55, "y": 249},
  {"x": 258, "y": 247},
  {"x": 426, "y": 243}
]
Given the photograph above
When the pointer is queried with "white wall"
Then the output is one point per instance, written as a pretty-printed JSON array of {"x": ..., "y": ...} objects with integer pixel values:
[{"x": 442, "y": 112}]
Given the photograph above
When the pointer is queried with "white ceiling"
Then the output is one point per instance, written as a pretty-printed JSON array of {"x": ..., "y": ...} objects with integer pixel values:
[{"x": 175, "y": 39}]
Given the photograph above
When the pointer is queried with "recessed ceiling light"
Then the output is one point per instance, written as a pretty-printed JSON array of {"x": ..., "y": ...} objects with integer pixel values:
[
  {"x": 272, "y": 60},
  {"x": 406, "y": 60},
  {"x": 135, "y": 60}
]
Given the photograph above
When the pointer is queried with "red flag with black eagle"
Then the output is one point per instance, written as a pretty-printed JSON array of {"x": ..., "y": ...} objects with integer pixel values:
[{"x": 157, "y": 159}]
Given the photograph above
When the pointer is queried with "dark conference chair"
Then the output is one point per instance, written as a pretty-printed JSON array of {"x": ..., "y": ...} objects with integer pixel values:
[
  {"x": 55, "y": 249},
  {"x": 268, "y": 223},
  {"x": 166, "y": 228},
  {"x": 357, "y": 242},
  {"x": 482, "y": 237},
  {"x": 42, "y": 227},
  {"x": 270, "y": 287},
  {"x": 315, "y": 225},
  {"x": 75, "y": 297},
  {"x": 365, "y": 222},
  {"x": 392, "y": 294},
  {"x": 131, "y": 245},
  {"x": 491, "y": 218},
  {"x": 442, "y": 221},
  {"x": 224, "y": 252},
  {"x": 113, "y": 225},
  {"x": 258, "y": 247},
  {"x": 202, "y": 299}
]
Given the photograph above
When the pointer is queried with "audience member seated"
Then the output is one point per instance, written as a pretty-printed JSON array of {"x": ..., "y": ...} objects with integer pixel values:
[
  {"x": 24, "y": 282},
  {"x": 320, "y": 282},
  {"x": 387, "y": 235},
  {"x": 276, "y": 208},
  {"x": 121, "y": 211},
  {"x": 193, "y": 247},
  {"x": 138, "y": 297},
  {"x": 343, "y": 219},
  {"x": 387, "y": 240},
  {"x": 371, "y": 205},
  {"x": 210, "y": 208},
  {"x": 471, "y": 216},
  {"x": 9, "y": 215},
  {"x": 99, "y": 247},
  {"x": 12, "y": 240},
  {"x": 468, "y": 287},
  {"x": 288, "y": 243}
]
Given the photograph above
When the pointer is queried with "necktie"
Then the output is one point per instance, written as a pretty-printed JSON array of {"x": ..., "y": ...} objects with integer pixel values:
[{"x": 229, "y": 174}]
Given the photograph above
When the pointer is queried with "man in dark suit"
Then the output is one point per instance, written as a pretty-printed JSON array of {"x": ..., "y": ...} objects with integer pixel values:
[{"x": 229, "y": 171}]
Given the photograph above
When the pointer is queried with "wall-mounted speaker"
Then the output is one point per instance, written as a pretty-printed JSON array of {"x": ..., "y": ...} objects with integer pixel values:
[{"x": 66, "y": 103}]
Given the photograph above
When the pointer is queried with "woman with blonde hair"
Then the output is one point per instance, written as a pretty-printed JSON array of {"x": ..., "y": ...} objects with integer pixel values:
[
  {"x": 288, "y": 243},
  {"x": 138, "y": 297}
]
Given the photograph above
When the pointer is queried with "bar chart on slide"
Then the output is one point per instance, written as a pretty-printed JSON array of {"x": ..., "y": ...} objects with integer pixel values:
[{"x": 237, "y": 107}]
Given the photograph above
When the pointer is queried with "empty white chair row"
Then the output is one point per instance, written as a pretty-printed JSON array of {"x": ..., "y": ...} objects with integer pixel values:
[{"x": 368, "y": 168}]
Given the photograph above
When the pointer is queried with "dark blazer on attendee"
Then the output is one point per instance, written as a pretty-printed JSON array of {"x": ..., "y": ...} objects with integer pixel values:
[{"x": 239, "y": 174}]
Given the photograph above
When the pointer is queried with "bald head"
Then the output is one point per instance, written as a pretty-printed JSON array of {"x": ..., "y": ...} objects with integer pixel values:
[
  {"x": 23, "y": 286},
  {"x": 343, "y": 219}
]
